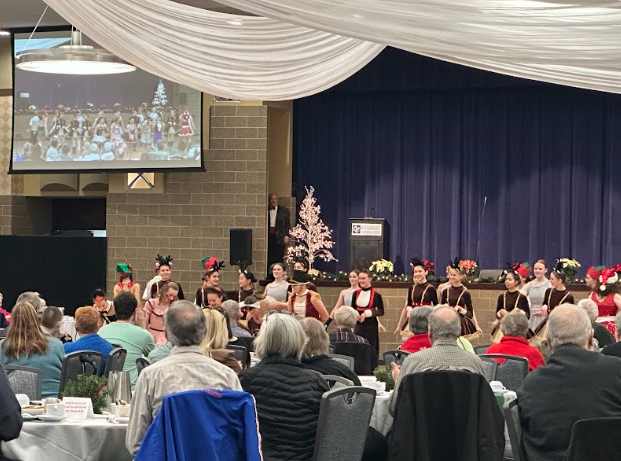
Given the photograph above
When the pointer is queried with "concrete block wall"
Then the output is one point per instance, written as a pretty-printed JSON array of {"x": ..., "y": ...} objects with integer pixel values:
[{"x": 193, "y": 216}]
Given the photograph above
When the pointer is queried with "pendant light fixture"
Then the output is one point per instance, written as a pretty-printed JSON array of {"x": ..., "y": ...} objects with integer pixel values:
[{"x": 74, "y": 59}]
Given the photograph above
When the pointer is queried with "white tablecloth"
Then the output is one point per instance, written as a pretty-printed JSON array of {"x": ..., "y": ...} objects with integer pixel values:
[
  {"x": 381, "y": 419},
  {"x": 67, "y": 325},
  {"x": 90, "y": 440}
]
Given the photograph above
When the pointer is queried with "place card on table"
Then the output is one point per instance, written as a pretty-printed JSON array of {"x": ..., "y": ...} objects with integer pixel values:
[{"x": 78, "y": 407}]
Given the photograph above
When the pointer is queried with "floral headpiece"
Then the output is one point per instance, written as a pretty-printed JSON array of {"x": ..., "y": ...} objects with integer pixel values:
[
  {"x": 124, "y": 269},
  {"x": 521, "y": 269},
  {"x": 211, "y": 264},
  {"x": 249, "y": 275},
  {"x": 595, "y": 272},
  {"x": 454, "y": 264},
  {"x": 429, "y": 266},
  {"x": 163, "y": 261}
]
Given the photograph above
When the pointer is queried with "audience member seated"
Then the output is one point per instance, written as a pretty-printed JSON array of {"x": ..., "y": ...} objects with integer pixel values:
[
  {"x": 315, "y": 354},
  {"x": 10, "y": 411},
  {"x": 32, "y": 298},
  {"x": 345, "y": 319},
  {"x": 3, "y": 321},
  {"x": 160, "y": 352},
  {"x": 444, "y": 354},
  {"x": 27, "y": 345},
  {"x": 600, "y": 332},
  {"x": 288, "y": 396},
  {"x": 514, "y": 327},
  {"x": 51, "y": 319},
  {"x": 185, "y": 369},
  {"x": 419, "y": 327},
  {"x": 216, "y": 339},
  {"x": 87, "y": 325},
  {"x": 615, "y": 349},
  {"x": 233, "y": 313},
  {"x": 575, "y": 384},
  {"x": 135, "y": 340},
  {"x": 7, "y": 314}
]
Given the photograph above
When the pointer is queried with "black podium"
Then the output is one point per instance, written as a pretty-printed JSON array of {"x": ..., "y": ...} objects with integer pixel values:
[{"x": 369, "y": 241}]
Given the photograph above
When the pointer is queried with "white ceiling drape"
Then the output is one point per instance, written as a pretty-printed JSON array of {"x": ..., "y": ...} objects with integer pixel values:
[
  {"x": 572, "y": 42},
  {"x": 225, "y": 55}
]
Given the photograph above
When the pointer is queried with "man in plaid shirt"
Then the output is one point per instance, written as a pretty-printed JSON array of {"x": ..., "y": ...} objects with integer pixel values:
[{"x": 346, "y": 318}]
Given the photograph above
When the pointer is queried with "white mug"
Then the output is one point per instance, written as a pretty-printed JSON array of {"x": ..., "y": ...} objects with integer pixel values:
[
  {"x": 497, "y": 386},
  {"x": 55, "y": 409}
]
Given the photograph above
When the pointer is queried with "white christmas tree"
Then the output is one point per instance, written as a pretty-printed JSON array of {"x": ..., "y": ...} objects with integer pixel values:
[
  {"x": 313, "y": 239},
  {"x": 160, "y": 99}
]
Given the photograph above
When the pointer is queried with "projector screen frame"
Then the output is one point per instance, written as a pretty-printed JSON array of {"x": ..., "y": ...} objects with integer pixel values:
[{"x": 86, "y": 170}]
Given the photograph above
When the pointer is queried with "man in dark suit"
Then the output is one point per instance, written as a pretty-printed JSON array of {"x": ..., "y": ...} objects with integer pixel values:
[
  {"x": 278, "y": 223},
  {"x": 575, "y": 384}
]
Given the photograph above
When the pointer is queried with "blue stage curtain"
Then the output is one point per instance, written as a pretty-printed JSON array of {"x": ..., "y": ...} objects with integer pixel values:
[{"x": 427, "y": 155}]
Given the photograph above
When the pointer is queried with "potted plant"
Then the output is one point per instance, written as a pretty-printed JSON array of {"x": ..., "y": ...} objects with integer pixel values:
[
  {"x": 384, "y": 375},
  {"x": 90, "y": 386}
]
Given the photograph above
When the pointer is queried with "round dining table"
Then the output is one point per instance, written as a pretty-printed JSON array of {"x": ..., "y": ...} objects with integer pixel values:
[{"x": 69, "y": 440}]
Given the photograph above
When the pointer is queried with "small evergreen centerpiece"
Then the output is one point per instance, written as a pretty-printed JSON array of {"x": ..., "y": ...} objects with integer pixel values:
[
  {"x": 384, "y": 375},
  {"x": 93, "y": 387}
]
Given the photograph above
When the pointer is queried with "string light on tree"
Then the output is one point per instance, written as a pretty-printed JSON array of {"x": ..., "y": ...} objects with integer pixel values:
[
  {"x": 160, "y": 98},
  {"x": 313, "y": 239}
]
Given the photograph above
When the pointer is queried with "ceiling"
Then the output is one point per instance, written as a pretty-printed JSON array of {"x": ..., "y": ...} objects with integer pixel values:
[{"x": 26, "y": 13}]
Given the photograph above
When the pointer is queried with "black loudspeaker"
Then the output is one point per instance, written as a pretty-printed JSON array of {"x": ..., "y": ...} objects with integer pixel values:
[{"x": 240, "y": 247}]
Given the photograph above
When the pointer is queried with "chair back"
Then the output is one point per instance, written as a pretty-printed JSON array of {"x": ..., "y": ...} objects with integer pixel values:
[
  {"x": 512, "y": 372},
  {"x": 512, "y": 418},
  {"x": 25, "y": 380},
  {"x": 490, "y": 368},
  {"x": 206, "y": 424},
  {"x": 594, "y": 439},
  {"x": 337, "y": 381},
  {"x": 365, "y": 356},
  {"x": 241, "y": 354},
  {"x": 344, "y": 359},
  {"x": 142, "y": 363},
  {"x": 446, "y": 415},
  {"x": 481, "y": 349},
  {"x": 344, "y": 417},
  {"x": 394, "y": 356},
  {"x": 2, "y": 332},
  {"x": 79, "y": 363},
  {"x": 115, "y": 361}
]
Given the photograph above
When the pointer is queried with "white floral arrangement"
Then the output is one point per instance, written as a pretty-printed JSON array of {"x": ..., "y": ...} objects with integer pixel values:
[
  {"x": 382, "y": 267},
  {"x": 570, "y": 264},
  {"x": 569, "y": 267}
]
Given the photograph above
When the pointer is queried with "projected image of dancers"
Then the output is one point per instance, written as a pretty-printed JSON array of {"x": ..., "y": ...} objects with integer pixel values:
[{"x": 121, "y": 121}]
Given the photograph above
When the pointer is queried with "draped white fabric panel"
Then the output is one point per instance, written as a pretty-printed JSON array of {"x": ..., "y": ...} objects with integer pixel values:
[
  {"x": 226, "y": 55},
  {"x": 573, "y": 42}
]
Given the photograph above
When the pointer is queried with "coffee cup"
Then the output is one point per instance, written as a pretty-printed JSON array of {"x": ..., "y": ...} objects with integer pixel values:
[
  {"x": 497, "y": 386},
  {"x": 55, "y": 409},
  {"x": 122, "y": 410}
]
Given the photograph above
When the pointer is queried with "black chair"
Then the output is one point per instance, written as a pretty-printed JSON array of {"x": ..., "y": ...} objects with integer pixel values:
[
  {"x": 344, "y": 359},
  {"x": 512, "y": 418},
  {"x": 344, "y": 417},
  {"x": 511, "y": 373},
  {"x": 115, "y": 361},
  {"x": 490, "y": 368},
  {"x": 365, "y": 356},
  {"x": 446, "y": 415},
  {"x": 246, "y": 341},
  {"x": 394, "y": 356},
  {"x": 142, "y": 363},
  {"x": 595, "y": 439},
  {"x": 241, "y": 354},
  {"x": 481, "y": 349},
  {"x": 79, "y": 363},
  {"x": 2, "y": 332},
  {"x": 25, "y": 380},
  {"x": 333, "y": 380}
]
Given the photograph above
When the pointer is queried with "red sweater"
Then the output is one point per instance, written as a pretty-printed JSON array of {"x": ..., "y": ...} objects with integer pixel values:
[
  {"x": 416, "y": 342},
  {"x": 518, "y": 346}
]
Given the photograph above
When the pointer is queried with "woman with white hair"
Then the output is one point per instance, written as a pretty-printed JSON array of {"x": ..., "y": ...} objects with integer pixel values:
[
  {"x": 315, "y": 354},
  {"x": 288, "y": 396},
  {"x": 600, "y": 332}
]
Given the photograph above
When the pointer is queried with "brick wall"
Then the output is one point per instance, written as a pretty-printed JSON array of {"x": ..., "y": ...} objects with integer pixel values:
[
  {"x": 483, "y": 301},
  {"x": 193, "y": 216}
]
